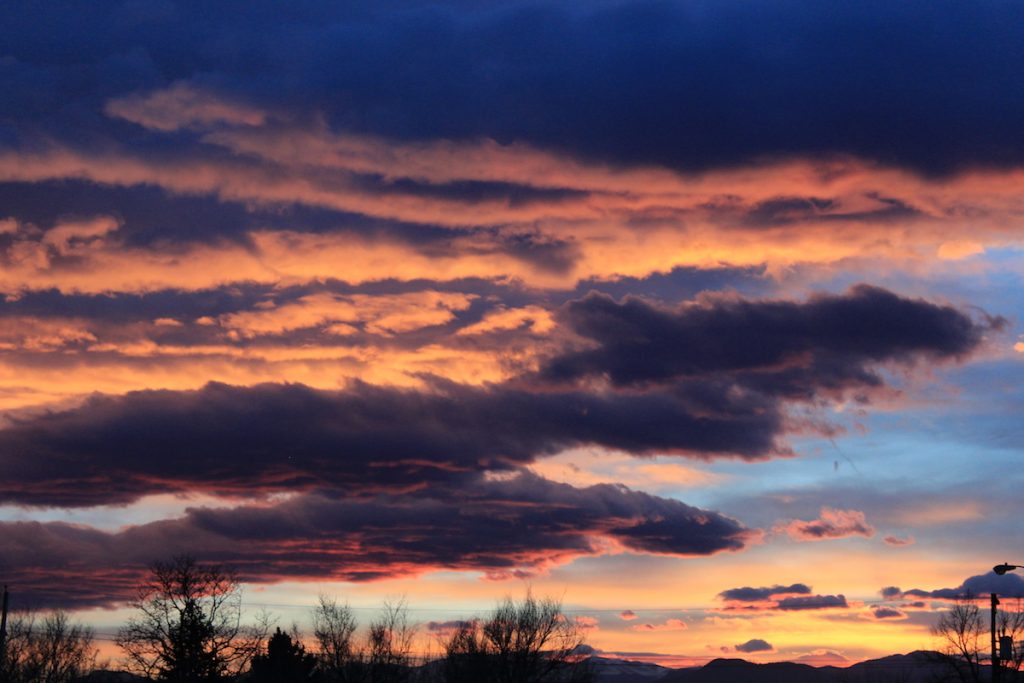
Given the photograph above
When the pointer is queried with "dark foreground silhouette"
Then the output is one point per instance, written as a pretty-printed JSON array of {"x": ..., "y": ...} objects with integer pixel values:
[
  {"x": 915, "y": 667},
  {"x": 187, "y": 628}
]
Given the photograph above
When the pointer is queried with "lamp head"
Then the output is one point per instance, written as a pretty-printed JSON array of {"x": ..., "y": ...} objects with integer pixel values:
[{"x": 1001, "y": 569}]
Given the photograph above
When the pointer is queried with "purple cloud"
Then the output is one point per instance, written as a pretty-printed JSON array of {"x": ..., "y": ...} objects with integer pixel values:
[
  {"x": 755, "y": 645},
  {"x": 502, "y": 527}
]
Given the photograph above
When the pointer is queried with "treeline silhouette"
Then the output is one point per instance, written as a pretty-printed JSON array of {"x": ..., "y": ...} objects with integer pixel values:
[
  {"x": 187, "y": 627},
  {"x": 48, "y": 649}
]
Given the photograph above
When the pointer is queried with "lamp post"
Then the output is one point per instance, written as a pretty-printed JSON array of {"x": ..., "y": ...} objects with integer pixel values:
[
  {"x": 3, "y": 629},
  {"x": 995, "y": 653},
  {"x": 1000, "y": 570}
]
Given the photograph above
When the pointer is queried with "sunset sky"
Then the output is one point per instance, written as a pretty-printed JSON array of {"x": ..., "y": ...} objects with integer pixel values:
[{"x": 703, "y": 317}]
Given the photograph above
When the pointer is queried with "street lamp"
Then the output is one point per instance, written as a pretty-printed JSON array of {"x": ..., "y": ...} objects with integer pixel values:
[{"x": 1005, "y": 642}]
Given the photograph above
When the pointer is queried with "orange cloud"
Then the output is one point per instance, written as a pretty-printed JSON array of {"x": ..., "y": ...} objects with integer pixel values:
[
  {"x": 584, "y": 467},
  {"x": 76, "y": 366},
  {"x": 536, "y": 318},
  {"x": 381, "y": 314},
  {"x": 618, "y": 222}
]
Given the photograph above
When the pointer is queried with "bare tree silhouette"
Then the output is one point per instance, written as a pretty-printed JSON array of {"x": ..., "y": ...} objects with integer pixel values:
[
  {"x": 389, "y": 645},
  {"x": 530, "y": 641},
  {"x": 963, "y": 632},
  {"x": 384, "y": 656},
  {"x": 334, "y": 628},
  {"x": 188, "y": 628},
  {"x": 50, "y": 649}
]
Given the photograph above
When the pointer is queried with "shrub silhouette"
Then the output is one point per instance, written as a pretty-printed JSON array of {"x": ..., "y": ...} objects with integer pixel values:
[{"x": 285, "y": 661}]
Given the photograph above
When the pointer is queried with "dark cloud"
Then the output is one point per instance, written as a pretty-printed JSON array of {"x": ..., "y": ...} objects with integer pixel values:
[
  {"x": 547, "y": 253},
  {"x": 679, "y": 284},
  {"x": 146, "y": 214},
  {"x": 812, "y": 602},
  {"x": 274, "y": 437},
  {"x": 782, "y": 347},
  {"x": 787, "y": 598},
  {"x": 755, "y": 645},
  {"x": 516, "y": 525},
  {"x": 640, "y": 82},
  {"x": 445, "y": 629},
  {"x": 151, "y": 217},
  {"x": 127, "y": 307},
  {"x": 468, "y": 191},
  {"x": 790, "y": 210},
  {"x": 120, "y": 308},
  {"x": 1008, "y": 585},
  {"x": 749, "y": 594},
  {"x": 709, "y": 378},
  {"x": 786, "y": 210},
  {"x": 887, "y": 613}
]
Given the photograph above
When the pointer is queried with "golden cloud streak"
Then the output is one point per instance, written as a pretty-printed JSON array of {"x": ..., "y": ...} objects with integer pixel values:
[{"x": 613, "y": 221}]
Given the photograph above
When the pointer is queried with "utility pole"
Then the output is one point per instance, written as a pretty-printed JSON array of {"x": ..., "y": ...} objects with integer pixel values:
[
  {"x": 3, "y": 631},
  {"x": 995, "y": 653}
]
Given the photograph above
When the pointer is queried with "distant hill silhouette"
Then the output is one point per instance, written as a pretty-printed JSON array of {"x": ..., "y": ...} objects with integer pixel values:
[
  {"x": 104, "y": 676},
  {"x": 915, "y": 667},
  {"x": 615, "y": 670},
  {"x": 728, "y": 670}
]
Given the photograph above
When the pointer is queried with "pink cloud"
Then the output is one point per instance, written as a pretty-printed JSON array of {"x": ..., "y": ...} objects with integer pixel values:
[
  {"x": 899, "y": 541},
  {"x": 183, "y": 106},
  {"x": 832, "y": 523}
]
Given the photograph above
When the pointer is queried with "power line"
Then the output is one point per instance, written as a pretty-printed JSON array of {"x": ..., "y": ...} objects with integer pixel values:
[
  {"x": 108, "y": 633},
  {"x": 363, "y": 608}
]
